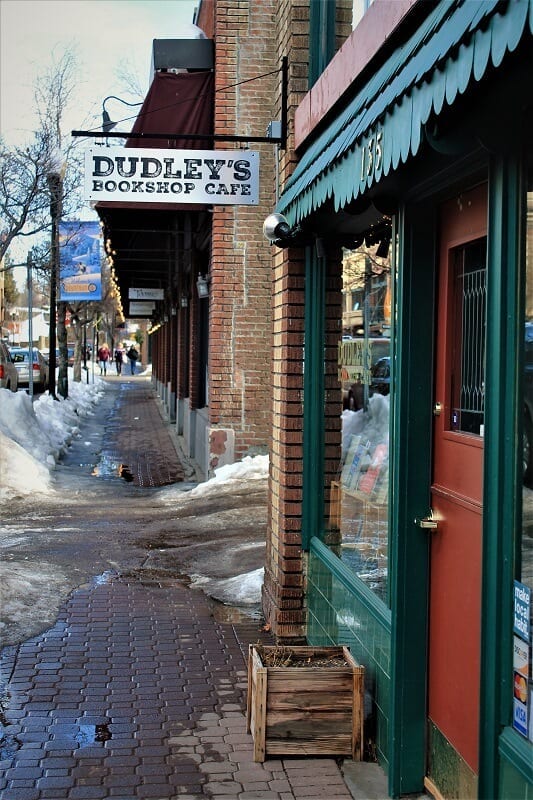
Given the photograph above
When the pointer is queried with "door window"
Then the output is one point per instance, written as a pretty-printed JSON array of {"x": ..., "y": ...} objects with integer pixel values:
[{"x": 468, "y": 331}]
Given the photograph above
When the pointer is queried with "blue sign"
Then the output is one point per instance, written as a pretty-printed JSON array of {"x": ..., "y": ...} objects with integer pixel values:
[
  {"x": 520, "y": 717},
  {"x": 80, "y": 261},
  {"x": 522, "y": 610}
]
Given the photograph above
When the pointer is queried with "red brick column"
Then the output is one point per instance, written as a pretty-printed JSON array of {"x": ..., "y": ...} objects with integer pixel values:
[
  {"x": 283, "y": 585},
  {"x": 240, "y": 269}
]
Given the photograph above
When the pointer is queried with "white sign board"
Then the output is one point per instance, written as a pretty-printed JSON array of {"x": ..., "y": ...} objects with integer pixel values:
[
  {"x": 145, "y": 175},
  {"x": 146, "y": 294},
  {"x": 141, "y": 309}
]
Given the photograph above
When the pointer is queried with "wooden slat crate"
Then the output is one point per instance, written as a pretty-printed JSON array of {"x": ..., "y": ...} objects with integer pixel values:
[{"x": 311, "y": 710}]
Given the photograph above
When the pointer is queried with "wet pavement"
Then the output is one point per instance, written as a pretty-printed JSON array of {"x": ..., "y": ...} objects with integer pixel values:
[{"x": 139, "y": 688}]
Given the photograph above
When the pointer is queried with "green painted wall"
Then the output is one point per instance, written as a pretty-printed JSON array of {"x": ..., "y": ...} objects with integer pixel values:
[{"x": 342, "y": 611}]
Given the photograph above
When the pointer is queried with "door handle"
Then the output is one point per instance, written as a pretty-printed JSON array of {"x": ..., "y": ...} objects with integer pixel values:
[
  {"x": 428, "y": 523},
  {"x": 437, "y": 409}
]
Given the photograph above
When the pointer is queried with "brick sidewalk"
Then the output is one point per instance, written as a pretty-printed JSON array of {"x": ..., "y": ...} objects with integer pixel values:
[
  {"x": 138, "y": 438},
  {"x": 138, "y": 691}
]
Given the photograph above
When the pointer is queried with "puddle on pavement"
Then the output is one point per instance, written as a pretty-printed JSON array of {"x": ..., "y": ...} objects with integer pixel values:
[
  {"x": 109, "y": 467},
  {"x": 106, "y": 577},
  {"x": 235, "y": 614},
  {"x": 9, "y": 744},
  {"x": 89, "y": 734}
]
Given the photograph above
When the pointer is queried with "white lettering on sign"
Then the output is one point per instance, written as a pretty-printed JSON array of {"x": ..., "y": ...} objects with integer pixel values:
[
  {"x": 214, "y": 177},
  {"x": 522, "y": 610}
]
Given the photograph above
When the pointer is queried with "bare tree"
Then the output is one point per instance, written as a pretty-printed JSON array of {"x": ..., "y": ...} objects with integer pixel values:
[
  {"x": 24, "y": 170},
  {"x": 24, "y": 205},
  {"x": 130, "y": 82}
]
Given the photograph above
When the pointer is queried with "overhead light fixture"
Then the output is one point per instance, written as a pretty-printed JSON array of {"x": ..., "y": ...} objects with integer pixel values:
[
  {"x": 278, "y": 231},
  {"x": 107, "y": 123},
  {"x": 383, "y": 247},
  {"x": 202, "y": 287}
]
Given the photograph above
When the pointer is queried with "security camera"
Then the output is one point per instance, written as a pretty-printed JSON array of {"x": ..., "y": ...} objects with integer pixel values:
[{"x": 276, "y": 228}]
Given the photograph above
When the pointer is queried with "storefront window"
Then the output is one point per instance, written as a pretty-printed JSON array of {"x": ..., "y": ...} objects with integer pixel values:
[
  {"x": 523, "y": 588},
  {"x": 360, "y": 493}
]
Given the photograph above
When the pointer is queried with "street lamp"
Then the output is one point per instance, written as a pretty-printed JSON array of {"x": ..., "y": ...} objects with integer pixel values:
[
  {"x": 107, "y": 123},
  {"x": 55, "y": 187}
]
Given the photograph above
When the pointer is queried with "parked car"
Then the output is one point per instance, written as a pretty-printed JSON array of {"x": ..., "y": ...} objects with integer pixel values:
[
  {"x": 8, "y": 371},
  {"x": 21, "y": 360},
  {"x": 70, "y": 351},
  {"x": 380, "y": 382}
]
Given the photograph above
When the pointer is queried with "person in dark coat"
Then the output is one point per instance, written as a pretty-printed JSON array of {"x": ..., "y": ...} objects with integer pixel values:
[{"x": 133, "y": 356}]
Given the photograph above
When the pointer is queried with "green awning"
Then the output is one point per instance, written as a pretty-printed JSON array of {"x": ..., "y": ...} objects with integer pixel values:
[{"x": 383, "y": 125}]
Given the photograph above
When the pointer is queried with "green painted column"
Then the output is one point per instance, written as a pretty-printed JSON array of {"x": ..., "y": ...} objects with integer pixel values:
[
  {"x": 313, "y": 433},
  {"x": 502, "y": 480},
  {"x": 411, "y": 425}
]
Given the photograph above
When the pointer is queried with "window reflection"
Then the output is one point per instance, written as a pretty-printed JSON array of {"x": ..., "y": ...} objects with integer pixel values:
[
  {"x": 359, "y": 495},
  {"x": 526, "y": 571},
  {"x": 522, "y": 676}
]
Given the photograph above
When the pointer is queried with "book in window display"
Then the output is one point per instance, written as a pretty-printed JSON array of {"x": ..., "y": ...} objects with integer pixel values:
[
  {"x": 357, "y": 460},
  {"x": 368, "y": 482}
]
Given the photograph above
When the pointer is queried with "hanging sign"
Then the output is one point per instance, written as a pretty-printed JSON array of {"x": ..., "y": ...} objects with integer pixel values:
[
  {"x": 80, "y": 261},
  {"x": 140, "y": 309},
  {"x": 145, "y": 293},
  {"x": 144, "y": 175}
]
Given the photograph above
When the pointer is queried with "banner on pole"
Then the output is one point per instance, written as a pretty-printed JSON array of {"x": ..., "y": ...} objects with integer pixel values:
[{"x": 80, "y": 261}]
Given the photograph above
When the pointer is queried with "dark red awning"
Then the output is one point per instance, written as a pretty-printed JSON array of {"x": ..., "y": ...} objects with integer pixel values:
[{"x": 176, "y": 103}]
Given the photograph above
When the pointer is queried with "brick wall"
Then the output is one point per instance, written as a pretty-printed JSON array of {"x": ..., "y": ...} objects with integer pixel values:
[
  {"x": 240, "y": 307},
  {"x": 284, "y": 584}
]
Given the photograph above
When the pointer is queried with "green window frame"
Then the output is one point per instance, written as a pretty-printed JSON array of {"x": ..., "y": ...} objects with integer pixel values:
[{"x": 321, "y": 37}]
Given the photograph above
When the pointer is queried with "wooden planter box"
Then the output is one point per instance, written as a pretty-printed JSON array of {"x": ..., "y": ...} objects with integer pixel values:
[{"x": 305, "y": 710}]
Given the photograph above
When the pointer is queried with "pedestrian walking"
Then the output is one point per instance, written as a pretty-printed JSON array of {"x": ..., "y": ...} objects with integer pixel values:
[
  {"x": 119, "y": 359},
  {"x": 103, "y": 357},
  {"x": 133, "y": 355}
]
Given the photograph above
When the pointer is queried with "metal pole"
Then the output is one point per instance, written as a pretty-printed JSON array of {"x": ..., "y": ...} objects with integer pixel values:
[
  {"x": 85, "y": 367},
  {"x": 30, "y": 322},
  {"x": 54, "y": 185}
]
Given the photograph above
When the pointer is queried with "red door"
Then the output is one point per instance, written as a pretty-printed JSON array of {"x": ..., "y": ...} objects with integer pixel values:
[{"x": 456, "y": 491}]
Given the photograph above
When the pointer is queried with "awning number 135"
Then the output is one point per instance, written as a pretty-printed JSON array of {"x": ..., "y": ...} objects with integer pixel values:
[{"x": 372, "y": 156}]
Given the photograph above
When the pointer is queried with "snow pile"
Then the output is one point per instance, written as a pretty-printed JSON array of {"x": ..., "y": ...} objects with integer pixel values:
[
  {"x": 241, "y": 590},
  {"x": 20, "y": 473},
  {"x": 251, "y": 468},
  {"x": 374, "y": 423},
  {"x": 34, "y": 435}
]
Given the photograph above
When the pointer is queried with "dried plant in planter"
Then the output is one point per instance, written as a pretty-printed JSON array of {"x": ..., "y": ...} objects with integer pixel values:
[
  {"x": 304, "y": 701},
  {"x": 283, "y": 656}
]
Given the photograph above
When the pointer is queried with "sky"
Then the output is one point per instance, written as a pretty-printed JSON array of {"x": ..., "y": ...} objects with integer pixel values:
[
  {"x": 105, "y": 36},
  {"x": 102, "y": 33}
]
